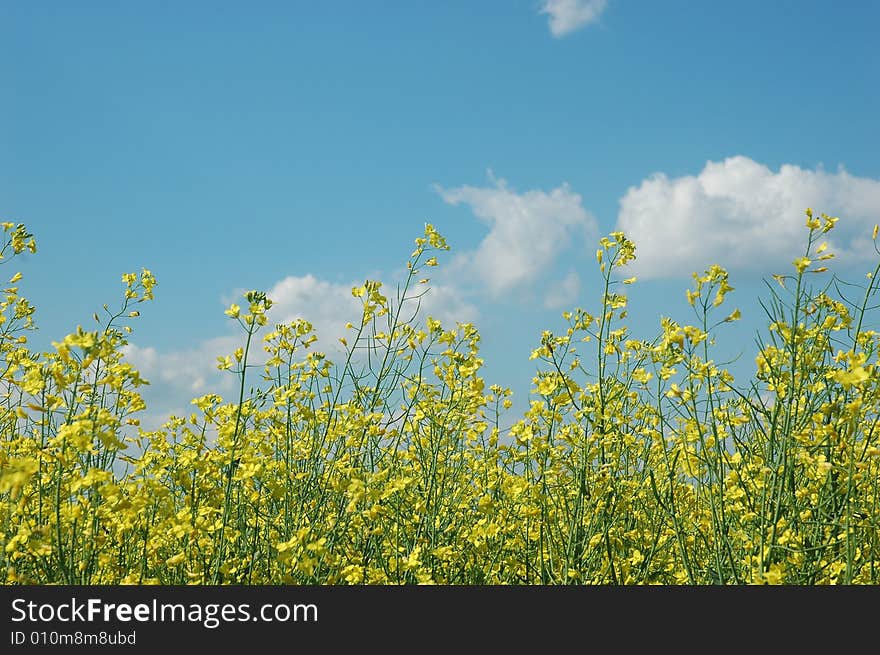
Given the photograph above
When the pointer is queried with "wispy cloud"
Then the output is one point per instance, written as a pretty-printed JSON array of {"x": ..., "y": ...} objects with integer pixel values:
[
  {"x": 567, "y": 16},
  {"x": 527, "y": 232},
  {"x": 742, "y": 215}
]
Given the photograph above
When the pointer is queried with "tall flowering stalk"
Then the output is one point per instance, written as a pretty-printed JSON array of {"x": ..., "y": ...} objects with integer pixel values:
[{"x": 638, "y": 461}]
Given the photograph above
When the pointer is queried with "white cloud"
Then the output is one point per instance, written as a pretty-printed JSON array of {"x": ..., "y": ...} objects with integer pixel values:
[
  {"x": 446, "y": 304},
  {"x": 328, "y": 306},
  {"x": 567, "y": 16},
  {"x": 192, "y": 370},
  {"x": 740, "y": 214},
  {"x": 177, "y": 376},
  {"x": 563, "y": 293},
  {"x": 526, "y": 233}
]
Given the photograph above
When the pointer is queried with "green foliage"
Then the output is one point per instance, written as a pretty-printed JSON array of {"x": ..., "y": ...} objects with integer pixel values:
[{"x": 638, "y": 462}]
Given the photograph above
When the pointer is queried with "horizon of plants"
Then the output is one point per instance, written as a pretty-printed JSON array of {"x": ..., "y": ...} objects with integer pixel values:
[{"x": 637, "y": 462}]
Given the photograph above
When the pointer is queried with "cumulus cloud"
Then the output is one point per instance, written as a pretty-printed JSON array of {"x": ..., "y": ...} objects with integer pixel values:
[
  {"x": 187, "y": 373},
  {"x": 447, "y": 304},
  {"x": 192, "y": 370},
  {"x": 328, "y": 306},
  {"x": 567, "y": 16},
  {"x": 178, "y": 376},
  {"x": 744, "y": 216},
  {"x": 527, "y": 231}
]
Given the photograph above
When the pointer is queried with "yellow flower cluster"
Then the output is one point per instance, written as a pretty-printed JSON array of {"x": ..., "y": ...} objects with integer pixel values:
[{"x": 637, "y": 462}]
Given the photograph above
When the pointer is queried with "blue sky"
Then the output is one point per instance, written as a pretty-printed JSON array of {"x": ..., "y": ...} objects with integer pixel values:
[{"x": 300, "y": 147}]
